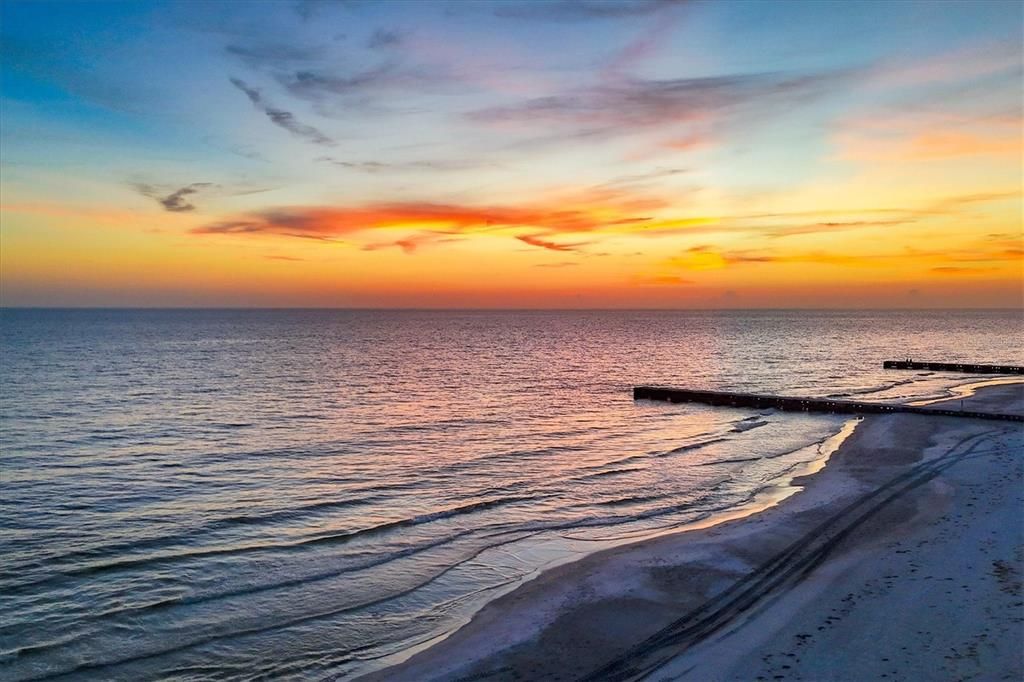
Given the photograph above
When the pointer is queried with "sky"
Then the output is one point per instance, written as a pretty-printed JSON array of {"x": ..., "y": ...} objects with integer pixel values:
[{"x": 511, "y": 154}]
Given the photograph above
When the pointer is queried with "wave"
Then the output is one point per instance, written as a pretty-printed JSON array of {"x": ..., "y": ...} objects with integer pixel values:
[
  {"x": 717, "y": 437},
  {"x": 631, "y": 500},
  {"x": 191, "y": 534},
  {"x": 325, "y": 538},
  {"x": 735, "y": 460},
  {"x": 296, "y": 512},
  {"x": 379, "y": 560},
  {"x": 747, "y": 425},
  {"x": 242, "y": 632},
  {"x": 692, "y": 446},
  {"x": 465, "y": 509},
  {"x": 710, "y": 492},
  {"x": 872, "y": 389},
  {"x": 610, "y": 472}
]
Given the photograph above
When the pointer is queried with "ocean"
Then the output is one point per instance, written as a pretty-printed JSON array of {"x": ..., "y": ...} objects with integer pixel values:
[{"x": 312, "y": 494}]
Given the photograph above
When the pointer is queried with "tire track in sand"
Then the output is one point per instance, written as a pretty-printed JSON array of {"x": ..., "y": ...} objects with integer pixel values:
[{"x": 780, "y": 573}]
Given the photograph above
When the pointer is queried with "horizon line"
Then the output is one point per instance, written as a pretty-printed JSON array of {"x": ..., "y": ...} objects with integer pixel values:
[{"x": 499, "y": 309}]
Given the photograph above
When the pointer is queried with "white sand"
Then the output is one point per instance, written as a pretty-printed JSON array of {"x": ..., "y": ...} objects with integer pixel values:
[{"x": 901, "y": 559}]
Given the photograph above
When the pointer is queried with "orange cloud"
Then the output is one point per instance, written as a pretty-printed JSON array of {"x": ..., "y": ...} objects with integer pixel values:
[
  {"x": 706, "y": 258},
  {"x": 956, "y": 270},
  {"x": 316, "y": 221},
  {"x": 408, "y": 244},
  {"x": 661, "y": 280},
  {"x": 596, "y": 210},
  {"x": 551, "y": 246},
  {"x": 929, "y": 134},
  {"x": 698, "y": 258},
  {"x": 687, "y": 142},
  {"x": 929, "y": 145}
]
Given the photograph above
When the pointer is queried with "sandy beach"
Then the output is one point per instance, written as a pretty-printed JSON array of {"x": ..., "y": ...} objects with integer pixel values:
[{"x": 901, "y": 559}]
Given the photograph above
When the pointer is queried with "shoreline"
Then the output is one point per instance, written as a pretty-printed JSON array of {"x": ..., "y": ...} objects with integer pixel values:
[
  {"x": 779, "y": 490},
  {"x": 670, "y": 602}
]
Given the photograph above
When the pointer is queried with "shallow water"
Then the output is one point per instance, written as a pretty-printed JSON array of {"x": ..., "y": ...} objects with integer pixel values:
[{"x": 236, "y": 494}]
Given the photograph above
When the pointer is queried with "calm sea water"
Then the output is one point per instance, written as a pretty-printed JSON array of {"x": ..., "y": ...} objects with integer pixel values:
[{"x": 241, "y": 494}]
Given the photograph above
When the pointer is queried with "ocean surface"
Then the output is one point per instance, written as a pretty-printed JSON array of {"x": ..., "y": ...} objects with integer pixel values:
[{"x": 225, "y": 494}]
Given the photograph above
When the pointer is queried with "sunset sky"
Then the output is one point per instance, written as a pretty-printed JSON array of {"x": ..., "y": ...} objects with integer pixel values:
[{"x": 512, "y": 154}]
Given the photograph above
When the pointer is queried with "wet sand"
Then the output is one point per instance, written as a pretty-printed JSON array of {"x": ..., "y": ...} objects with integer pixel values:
[{"x": 901, "y": 559}]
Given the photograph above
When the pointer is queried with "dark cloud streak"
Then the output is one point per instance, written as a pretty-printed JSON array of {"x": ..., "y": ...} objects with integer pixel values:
[
  {"x": 816, "y": 228},
  {"x": 176, "y": 201},
  {"x": 317, "y": 85},
  {"x": 584, "y": 10},
  {"x": 273, "y": 55},
  {"x": 549, "y": 245},
  {"x": 405, "y": 166},
  {"x": 382, "y": 39},
  {"x": 623, "y": 107},
  {"x": 281, "y": 118}
]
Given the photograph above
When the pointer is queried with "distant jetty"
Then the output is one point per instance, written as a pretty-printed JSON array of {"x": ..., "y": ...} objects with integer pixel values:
[
  {"x": 728, "y": 399},
  {"x": 953, "y": 367}
]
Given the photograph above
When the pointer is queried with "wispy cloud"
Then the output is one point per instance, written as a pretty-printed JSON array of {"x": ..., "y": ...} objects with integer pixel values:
[
  {"x": 930, "y": 145},
  {"x": 307, "y": 10},
  {"x": 411, "y": 243},
  {"x": 534, "y": 240},
  {"x": 325, "y": 84},
  {"x": 706, "y": 257},
  {"x": 408, "y": 245},
  {"x": 957, "y": 103},
  {"x": 584, "y": 10},
  {"x": 832, "y": 226},
  {"x": 1012, "y": 252},
  {"x": 282, "y": 118},
  {"x": 959, "y": 270},
  {"x": 628, "y": 105},
  {"x": 405, "y": 166},
  {"x": 644, "y": 46},
  {"x": 276, "y": 55},
  {"x": 641, "y": 179},
  {"x": 661, "y": 280},
  {"x": 822, "y": 221},
  {"x": 176, "y": 201},
  {"x": 967, "y": 63},
  {"x": 382, "y": 38}
]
